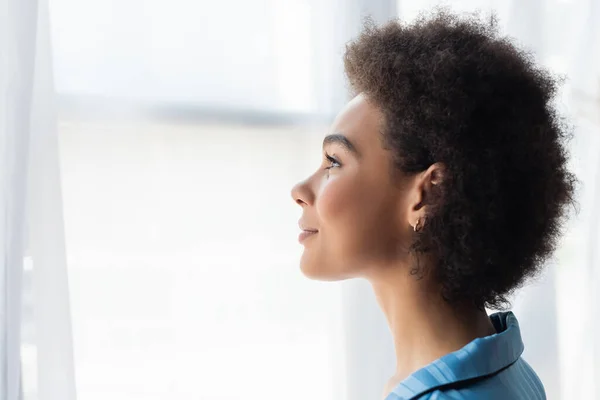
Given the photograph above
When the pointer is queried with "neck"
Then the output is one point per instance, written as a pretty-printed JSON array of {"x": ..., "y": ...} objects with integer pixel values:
[{"x": 424, "y": 326}]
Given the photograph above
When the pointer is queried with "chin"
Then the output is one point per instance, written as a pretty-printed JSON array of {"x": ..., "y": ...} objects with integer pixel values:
[
  {"x": 319, "y": 272},
  {"x": 322, "y": 277}
]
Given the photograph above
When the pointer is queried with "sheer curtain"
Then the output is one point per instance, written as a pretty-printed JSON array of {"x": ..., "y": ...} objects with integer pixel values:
[
  {"x": 35, "y": 330},
  {"x": 17, "y": 44}
]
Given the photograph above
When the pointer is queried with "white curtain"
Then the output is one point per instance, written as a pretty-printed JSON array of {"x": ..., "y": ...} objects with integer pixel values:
[
  {"x": 35, "y": 332},
  {"x": 17, "y": 44}
]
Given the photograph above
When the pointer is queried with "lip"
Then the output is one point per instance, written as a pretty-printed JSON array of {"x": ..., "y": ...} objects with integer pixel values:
[
  {"x": 305, "y": 235},
  {"x": 305, "y": 227}
]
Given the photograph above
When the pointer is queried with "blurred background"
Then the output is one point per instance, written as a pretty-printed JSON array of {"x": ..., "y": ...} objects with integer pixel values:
[{"x": 181, "y": 128}]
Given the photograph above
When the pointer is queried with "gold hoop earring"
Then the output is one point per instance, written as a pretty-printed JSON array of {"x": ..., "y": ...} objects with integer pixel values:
[{"x": 416, "y": 227}]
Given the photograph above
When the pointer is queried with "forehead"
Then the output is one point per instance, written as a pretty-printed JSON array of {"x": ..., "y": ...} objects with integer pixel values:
[{"x": 359, "y": 121}]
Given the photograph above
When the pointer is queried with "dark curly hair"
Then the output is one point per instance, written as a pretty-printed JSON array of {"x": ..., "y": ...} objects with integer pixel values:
[{"x": 453, "y": 91}]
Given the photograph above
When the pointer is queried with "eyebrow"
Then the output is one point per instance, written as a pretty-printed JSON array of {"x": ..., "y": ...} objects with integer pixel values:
[{"x": 338, "y": 138}]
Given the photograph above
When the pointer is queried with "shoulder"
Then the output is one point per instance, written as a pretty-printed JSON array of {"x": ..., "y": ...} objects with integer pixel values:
[
  {"x": 518, "y": 381},
  {"x": 461, "y": 394}
]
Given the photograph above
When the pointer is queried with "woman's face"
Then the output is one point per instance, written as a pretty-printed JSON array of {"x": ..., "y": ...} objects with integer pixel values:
[{"x": 360, "y": 216}]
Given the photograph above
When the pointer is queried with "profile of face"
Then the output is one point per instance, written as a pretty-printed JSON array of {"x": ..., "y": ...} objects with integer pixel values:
[{"x": 360, "y": 212}]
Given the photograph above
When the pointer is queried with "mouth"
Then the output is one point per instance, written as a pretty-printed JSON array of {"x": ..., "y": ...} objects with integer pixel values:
[{"x": 305, "y": 234}]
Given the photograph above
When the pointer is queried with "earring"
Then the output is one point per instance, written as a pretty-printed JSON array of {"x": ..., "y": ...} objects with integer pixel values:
[{"x": 416, "y": 227}]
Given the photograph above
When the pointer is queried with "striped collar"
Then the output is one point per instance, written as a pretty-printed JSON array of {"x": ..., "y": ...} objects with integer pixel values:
[{"x": 481, "y": 357}]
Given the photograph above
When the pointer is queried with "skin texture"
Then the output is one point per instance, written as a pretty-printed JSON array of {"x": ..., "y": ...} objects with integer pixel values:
[
  {"x": 365, "y": 215},
  {"x": 358, "y": 213}
]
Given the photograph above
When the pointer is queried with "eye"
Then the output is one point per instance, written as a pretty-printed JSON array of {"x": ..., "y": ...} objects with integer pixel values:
[{"x": 333, "y": 163}]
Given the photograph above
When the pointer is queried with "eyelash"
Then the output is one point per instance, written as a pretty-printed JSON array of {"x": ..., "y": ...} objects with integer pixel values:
[{"x": 332, "y": 161}]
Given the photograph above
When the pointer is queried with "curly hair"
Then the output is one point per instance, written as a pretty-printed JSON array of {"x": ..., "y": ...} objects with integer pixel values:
[{"x": 453, "y": 91}]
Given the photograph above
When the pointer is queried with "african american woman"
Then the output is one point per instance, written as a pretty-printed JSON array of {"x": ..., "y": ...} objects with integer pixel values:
[{"x": 444, "y": 183}]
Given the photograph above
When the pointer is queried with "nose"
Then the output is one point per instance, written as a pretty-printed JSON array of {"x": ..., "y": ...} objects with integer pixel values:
[{"x": 302, "y": 194}]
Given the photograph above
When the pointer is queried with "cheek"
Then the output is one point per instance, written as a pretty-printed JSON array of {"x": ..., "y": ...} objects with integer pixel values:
[
  {"x": 335, "y": 251},
  {"x": 347, "y": 213},
  {"x": 356, "y": 219},
  {"x": 337, "y": 198}
]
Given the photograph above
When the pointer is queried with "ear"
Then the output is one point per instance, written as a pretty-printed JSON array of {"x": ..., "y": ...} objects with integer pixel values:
[{"x": 422, "y": 194}]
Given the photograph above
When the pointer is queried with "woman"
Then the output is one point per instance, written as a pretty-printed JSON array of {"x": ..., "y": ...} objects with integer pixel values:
[{"x": 444, "y": 182}]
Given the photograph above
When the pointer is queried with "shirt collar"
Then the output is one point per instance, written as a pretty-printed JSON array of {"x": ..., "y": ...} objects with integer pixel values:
[{"x": 479, "y": 358}]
